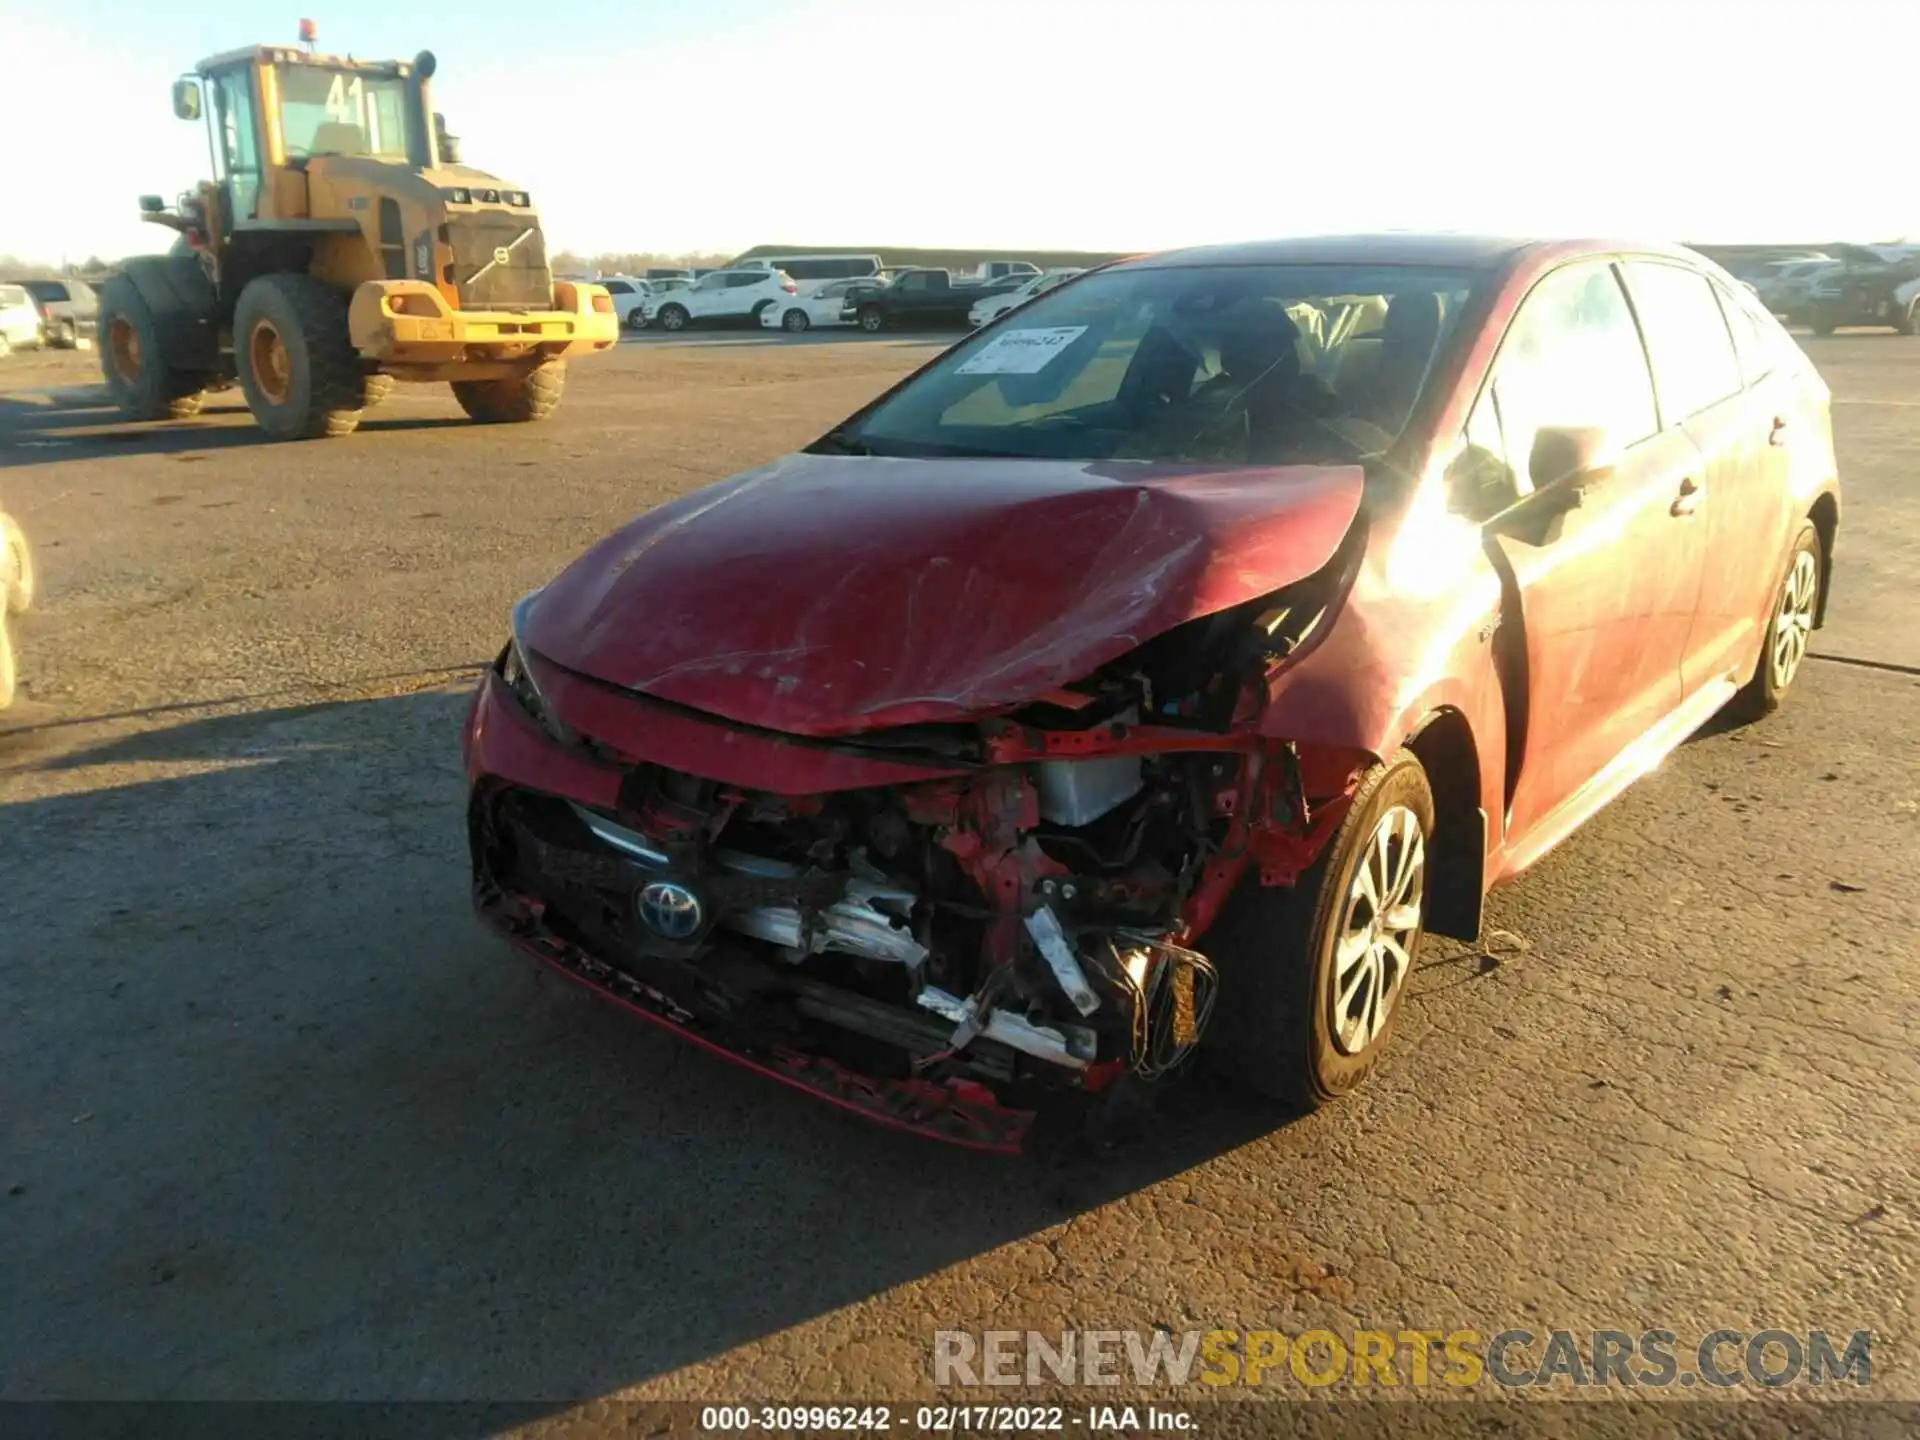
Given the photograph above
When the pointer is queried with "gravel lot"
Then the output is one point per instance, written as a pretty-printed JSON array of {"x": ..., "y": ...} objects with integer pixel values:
[{"x": 278, "y": 1121}]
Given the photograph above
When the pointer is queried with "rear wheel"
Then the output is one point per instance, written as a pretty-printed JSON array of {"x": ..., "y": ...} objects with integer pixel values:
[
  {"x": 1910, "y": 322},
  {"x": 636, "y": 319},
  {"x": 872, "y": 318},
  {"x": 532, "y": 396},
  {"x": 673, "y": 317},
  {"x": 795, "y": 321},
  {"x": 1312, "y": 976},
  {"x": 298, "y": 368},
  {"x": 1789, "y": 630},
  {"x": 130, "y": 360}
]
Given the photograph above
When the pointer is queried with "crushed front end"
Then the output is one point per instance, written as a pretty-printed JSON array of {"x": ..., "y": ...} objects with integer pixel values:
[{"x": 951, "y": 928}]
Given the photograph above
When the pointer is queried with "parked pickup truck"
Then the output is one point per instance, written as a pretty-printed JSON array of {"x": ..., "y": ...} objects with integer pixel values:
[{"x": 925, "y": 298}]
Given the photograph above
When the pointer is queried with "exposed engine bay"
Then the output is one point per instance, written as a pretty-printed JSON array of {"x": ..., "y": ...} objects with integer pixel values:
[{"x": 1024, "y": 924}]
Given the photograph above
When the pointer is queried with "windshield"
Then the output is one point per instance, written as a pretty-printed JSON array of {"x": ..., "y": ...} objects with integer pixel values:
[
  {"x": 340, "y": 112},
  {"x": 1245, "y": 364}
]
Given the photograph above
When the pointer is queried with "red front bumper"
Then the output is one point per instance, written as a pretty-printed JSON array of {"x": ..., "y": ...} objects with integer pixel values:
[{"x": 503, "y": 746}]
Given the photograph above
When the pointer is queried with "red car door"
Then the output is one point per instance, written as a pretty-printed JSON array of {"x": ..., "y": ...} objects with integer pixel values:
[
  {"x": 1741, "y": 499},
  {"x": 1605, "y": 591}
]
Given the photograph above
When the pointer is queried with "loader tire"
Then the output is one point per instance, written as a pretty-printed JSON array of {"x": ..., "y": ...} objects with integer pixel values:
[
  {"x": 298, "y": 368},
  {"x": 130, "y": 359},
  {"x": 532, "y": 396}
]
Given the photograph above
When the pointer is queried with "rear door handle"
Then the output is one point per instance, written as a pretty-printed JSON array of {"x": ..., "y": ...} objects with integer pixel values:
[
  {"x": 1778, "y": 434},
  {"x": 1691, "y": 495}
]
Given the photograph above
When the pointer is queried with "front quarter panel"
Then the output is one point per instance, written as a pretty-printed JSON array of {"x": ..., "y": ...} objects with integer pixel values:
[{"x": 1413, "y": 637}]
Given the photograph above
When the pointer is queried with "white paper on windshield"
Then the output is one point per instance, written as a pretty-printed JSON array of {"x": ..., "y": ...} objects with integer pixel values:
[{"x": 1021, "y": 352}]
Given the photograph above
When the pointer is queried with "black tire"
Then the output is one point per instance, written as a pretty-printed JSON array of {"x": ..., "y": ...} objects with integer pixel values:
[
  {"x": 795, "y": 322},
  {"x": 130, "y": 364},
  {"x": 872, "y": 319},
  {"x": 1910, "y": 322},
  {"x": 1274, "y": 1030},
  {"x": 532, "y": 396},
  {"x": 1768, "y": 685},
  {"x": 1823, "y": 324},
  {"x": 636, "y": 320},
  {"x": 672, "y": 317},
  {"x": 378, "y": 388},
  {"x": 318, "y": 389}
]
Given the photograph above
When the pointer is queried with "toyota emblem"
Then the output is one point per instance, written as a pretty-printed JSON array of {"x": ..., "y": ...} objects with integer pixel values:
[{"x": 670, "y": 911}]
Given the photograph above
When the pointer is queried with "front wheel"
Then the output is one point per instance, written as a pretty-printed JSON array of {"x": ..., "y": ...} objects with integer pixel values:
[
  {"x": 673, "y": 317},
  {"x": 872, "y": 318},
  {"x": 1312, "y": 976},
  {"x": 795, "y": 321},
  {"x": 1910, "y": 322},
  {"x": 517, "y": 400},
  {"x": 636, "y": 319},
  {"x": 1789, "y": 629},
  {"x": 298, "y": 368}
]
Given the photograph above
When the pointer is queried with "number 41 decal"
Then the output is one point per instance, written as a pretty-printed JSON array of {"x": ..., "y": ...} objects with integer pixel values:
[{"x": 346, "y": 100}]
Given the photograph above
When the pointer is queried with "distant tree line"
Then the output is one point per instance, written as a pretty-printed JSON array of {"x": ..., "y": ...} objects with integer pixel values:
[
  {"x": 92, "y": 268},
  {"x": 634, "y": 262}
]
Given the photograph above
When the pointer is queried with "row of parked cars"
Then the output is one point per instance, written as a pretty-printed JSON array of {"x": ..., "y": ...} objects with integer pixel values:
[
  {"x": 800, "y": 292},
  {"x": 1841, "y": 285},
  {"x": 36, "y": 313}
]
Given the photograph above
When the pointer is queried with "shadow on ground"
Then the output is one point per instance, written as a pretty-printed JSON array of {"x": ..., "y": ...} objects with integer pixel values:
[
  {"x": 92, "y": 429},
  {"x": 283, "y": 1122}
]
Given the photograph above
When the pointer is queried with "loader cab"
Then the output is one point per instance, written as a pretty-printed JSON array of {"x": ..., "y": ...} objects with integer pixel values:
[{"x": 270, "y": 110}]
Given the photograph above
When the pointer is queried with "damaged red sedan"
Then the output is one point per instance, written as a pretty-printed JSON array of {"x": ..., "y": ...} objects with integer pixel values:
[{"x": 1149, "y": 672}]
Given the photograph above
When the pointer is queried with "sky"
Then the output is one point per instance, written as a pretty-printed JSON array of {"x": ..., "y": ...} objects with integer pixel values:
[{"x": 715, "y": 125}]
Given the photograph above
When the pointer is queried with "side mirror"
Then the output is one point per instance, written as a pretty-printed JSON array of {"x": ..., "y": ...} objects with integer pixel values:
[
  {"x": 1568, "y": 461},
  {"x": 186, "y": 98},
  {"x": 152, "y": 205}
]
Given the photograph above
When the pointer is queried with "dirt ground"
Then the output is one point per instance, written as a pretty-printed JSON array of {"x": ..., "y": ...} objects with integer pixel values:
[{"x": 278, "y": 1121}]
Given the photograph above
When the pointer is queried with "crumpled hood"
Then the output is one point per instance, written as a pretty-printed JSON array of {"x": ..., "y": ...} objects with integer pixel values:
[{"x": 829, "y": 595}]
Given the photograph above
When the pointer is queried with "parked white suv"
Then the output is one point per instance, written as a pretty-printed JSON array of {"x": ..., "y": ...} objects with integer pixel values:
[
  {"x": 722, "y": 295},
  {"x": 627, "y": 294}
]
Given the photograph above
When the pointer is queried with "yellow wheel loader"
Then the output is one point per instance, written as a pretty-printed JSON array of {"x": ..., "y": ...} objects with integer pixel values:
[{"x": 341, "y": 247}]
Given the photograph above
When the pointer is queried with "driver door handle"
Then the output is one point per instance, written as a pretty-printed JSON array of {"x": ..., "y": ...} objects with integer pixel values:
[
  {"x": 1778, "y": 434},
  {"x": 1691, "y": 495}
]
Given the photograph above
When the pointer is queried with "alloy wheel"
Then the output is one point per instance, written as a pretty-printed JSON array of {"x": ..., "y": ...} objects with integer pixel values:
[
  {"x": 1793, "y": 622},
  {"x": 1379, "y": 927}
]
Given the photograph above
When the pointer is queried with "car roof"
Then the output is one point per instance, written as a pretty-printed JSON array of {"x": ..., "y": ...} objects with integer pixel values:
[{"x": 1479, "y": 252}]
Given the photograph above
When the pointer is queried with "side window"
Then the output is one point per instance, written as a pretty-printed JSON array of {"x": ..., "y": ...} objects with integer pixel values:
[
  {"x": 710, "y": 282},
  {"x": 1756, "y": 359},
  {"x": 234, "y": 133},
  {"x": 1572, "y": 357},
  {"x": 618, "y": 287},
  {"x": 1687, "y": 337},
  {"x": 743, "y": 278},
  {"x": 917, "y": 281},
  {"x": 1481, "y": 481}
]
